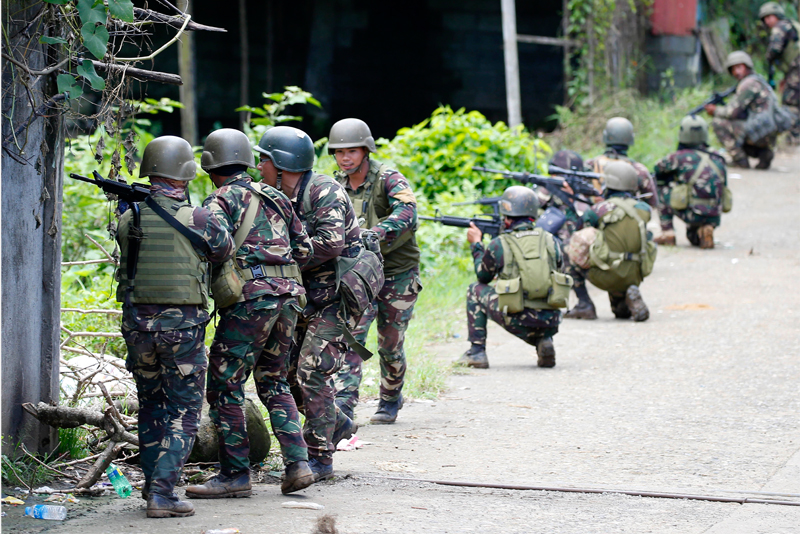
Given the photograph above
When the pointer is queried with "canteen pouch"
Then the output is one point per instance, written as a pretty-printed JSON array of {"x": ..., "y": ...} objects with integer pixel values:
[
  {"x": 649, "y": 259},
  {"x": 727, "y": 199},
  {"x": 679, "y": 197},
  {"x": 226, "y": 285},
  {"x": 559, "y": 294},
  {"x": 510, "y": 297}
]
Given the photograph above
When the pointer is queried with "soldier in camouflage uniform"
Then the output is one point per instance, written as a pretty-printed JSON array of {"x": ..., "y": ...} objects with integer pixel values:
[
  {"x": 538, "y": 322},
  {"x": 753, "y": 96},
  {"x": 703, "y": 171},
  {"x": 784, "y": 52},
  {"x": 287, "y": 155},
  {"x": 255, "y": 333},
  {"x": 164, "y": 315},
  {"x": 384, "y": 203}
]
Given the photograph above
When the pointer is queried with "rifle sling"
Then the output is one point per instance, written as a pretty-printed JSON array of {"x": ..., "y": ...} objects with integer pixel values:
[{"x": 134, "y": 242}]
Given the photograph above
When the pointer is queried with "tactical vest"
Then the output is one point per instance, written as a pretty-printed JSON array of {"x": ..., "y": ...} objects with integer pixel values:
[
  {"x": 371, "y": 204},
  {"x": 169, "y": 270},
  {"x": 790, "y": 52},
  {"x": 526, "y": 275},
  {"x": 684, "y": 196}
]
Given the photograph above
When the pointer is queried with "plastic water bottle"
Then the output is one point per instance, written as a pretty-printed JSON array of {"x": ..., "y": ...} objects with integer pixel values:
[
  {"x": 118, "y": 480},
  {"x": 44, "y": 511}
]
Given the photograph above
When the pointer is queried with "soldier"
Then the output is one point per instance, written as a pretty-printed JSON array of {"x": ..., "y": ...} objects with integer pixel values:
[
  {"x": 255, "y": 331},
  {"x": 784, "y": 53},
  {"x": 383, "y": 200},
  {"x": 753, "y": 96},
  {"x": 167, "y": 245},
  {"x": 287, "y": 155},
  {"x": 523, "y": 308},
  {"x": 696, "y": 175},
  {"x": 628, "y": 253}
]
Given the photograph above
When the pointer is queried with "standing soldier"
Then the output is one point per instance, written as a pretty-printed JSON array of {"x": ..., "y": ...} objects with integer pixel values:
[
  {"x": 167, "y": 245},
  {"x": 384, "y": 203},
  {"x": 691, "y": 184},
  {"x": 530, "y": 289},
  {"x": 255, "y": 330},
  {"x": 286, "y": 158},
  {"x": 753, "y": 97},
  {"x": 783, "y": 52}
]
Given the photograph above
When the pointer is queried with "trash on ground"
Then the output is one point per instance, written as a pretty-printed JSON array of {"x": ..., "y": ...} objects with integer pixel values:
[
  {"x": 304, "y": 505},
  {"x": 62, "y": 497},
  {"x": 735, "y": 176},
  {"x": 351, "y": 444},
  {"x": 12, "y": 500},
  {"x": 46, "y": 511},
  {"x": 44, "y": 489},
  {"x": 222, "y": 531}
]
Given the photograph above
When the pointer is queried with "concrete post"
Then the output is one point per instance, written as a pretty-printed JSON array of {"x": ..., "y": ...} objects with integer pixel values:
[{"x": 513, "y": 100}]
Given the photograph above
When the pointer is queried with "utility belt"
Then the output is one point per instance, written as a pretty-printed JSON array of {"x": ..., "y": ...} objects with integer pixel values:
[
  {"x": 258, "y": 272},
  {"x": 624, "y": 256}
]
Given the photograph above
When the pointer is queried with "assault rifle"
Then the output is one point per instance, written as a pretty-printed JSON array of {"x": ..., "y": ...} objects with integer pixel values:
[
  {"x": 491, "y": 225},
  {"x": 135, "y": 192},
  {"x": 771, "y": 76},
  {"x": 716, "y": 98},
  {"x": 581, "y": 189},
  {"x": 553, "y": 169},
  {"x": 494, "y": 202}
]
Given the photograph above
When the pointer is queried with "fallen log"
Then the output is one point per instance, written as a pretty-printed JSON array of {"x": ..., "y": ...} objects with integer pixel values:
[{"x": 67, "y": 417}]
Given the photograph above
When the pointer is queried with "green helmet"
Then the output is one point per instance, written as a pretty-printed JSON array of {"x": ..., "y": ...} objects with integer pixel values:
[
  {"x": 619, "y": 131},
  {"x": 226, "y": 147},
  {"x": 168, "y": 157},
  {"x": 289, "y": 149},
  {"x": 771, "y": 8},
  {"x": 519, "y": 201},
  {"x": 737, "y": 58},
  {"x": 694, "y": 131},
  {"x": 349, "y": 133},
  {"x": 621, "y": 176}
]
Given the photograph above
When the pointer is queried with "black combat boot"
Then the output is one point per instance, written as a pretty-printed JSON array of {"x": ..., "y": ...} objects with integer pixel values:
[
  {"x": 693, "y": 236},
  {"x": 160, "y": 506},
  {"x": 636, "y": 305},
  {"x": 345, "y": 427},
  {"x": 387, "y": 411},
  {"x": 321, "y": 470},
  {"x": 223, "y": 487},
  {"x": 619, "y": 307},
  {"x": 765, "y": 156},
  {"x": 475, "y": 357},
  {"x": 341, "y": 403},
  {"x": 546, "y": 352},
  {"x": 584, "y": 309}
]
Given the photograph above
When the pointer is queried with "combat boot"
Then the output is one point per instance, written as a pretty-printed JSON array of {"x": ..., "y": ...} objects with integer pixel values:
[
  {"x": 223, "y": 487},
  {"x": 344, "y": 407},
  {"x": 321, "y": 470},
  {"x": 345, "y": 427},
  {"x": 619, "y": 307},
  {"x": 546, "y": 352},
  {"x": 742, "y": 163},
  {"x": 636, "y": 305},
  {"x": 765, "y": 156},
  {"x": 706, "y": 235},
  {"x": 667, "y": 237},
  {"x": 297, "y": 476},
  {"x": 475, "y": 357},
  {"x": 387, "y": 411},
  {"x": 161, "y": 506},
  {"x": 584, "y": 309},
  {"x": 692, "y": 234}
]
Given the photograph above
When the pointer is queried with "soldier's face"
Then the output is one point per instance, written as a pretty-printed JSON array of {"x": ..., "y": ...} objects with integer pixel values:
[
  {"x": 268, "y": 171},
  {"x": 739, "y": 71},
  {"x": 350, "y": 158},
  {"x": 771, "y": 20}
]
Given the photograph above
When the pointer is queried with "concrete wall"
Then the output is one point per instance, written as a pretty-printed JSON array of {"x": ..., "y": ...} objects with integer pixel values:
[
  {"x": 32, "y": 177},
  {"x": 680, "y": 53}
]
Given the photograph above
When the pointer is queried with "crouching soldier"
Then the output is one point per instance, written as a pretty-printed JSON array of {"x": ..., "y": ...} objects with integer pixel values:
[
  {"x": 530, "y": 289},
  {"x": 692, "y": 184},
  {"x": 167, "y": 245}
]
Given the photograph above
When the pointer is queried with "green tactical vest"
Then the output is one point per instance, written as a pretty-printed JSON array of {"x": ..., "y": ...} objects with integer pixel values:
[
  {"x": 525, "y": 257},
  {"x": 683, "y": 196},
  {"x": 169, "y": 270},
  {"x": 790, "y": 52},
  {"x": 371, "y": 204}
]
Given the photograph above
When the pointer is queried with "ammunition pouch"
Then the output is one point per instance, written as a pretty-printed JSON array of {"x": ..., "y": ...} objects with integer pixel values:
[{"x": 510, "y": 298}]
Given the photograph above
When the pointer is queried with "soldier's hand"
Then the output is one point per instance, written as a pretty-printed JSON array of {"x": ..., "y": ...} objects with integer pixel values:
[
  {"x": 711, "y": 109},
  {"x": 567, "y": 189},
  {"x": 474, "y": 234}
]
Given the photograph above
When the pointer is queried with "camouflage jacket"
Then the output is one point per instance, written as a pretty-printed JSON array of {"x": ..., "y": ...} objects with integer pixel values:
[
  {"x": 154, "y": 317},
  {"x": 752, "y": 95},
  {"x": 332, "y": 224},
  {"x": 592, "y": 216},
  {"x": 705, "y": 170},
  {"x": 782, "y": 37},
  {"x": 646, "y": 183},
  {"x": 275, "y": 239}
]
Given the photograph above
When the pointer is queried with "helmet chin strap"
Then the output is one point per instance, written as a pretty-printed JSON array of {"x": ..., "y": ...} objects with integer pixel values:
[
  {"x": 357, "y": 169},
  {"x": 280, "y": 177}
]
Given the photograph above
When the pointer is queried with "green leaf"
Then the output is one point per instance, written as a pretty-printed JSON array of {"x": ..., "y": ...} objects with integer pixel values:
[
  {"x": 121, "y": 9},
  {"x": 86, "y": 69},
  {"x": 95, "y": 39},
  {"x": 58, "y": 2},
  {"x": 91, "y": 11},
  {"x": 67, "y": 83},
  {"x": 52, "y": 40}
]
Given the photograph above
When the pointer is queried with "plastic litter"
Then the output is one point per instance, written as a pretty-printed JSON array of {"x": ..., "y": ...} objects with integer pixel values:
[
  {"x": 223, "y": 531},
  {"x": 304, "y": 505},
  {"x": 44, "y": 489},
  {"x": 120, "y": 483},
  {"x": 351, "y": 444},
  {"x": 12, "y": 500},
  {"x": 62, "y": 497},
  {"x": 45, "y": 511}
]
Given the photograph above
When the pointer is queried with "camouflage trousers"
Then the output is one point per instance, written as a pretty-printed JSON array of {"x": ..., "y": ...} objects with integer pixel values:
[
  {"x": 791, "y": 88},
  {"x": 255, "y": 337},
  {"x": 529, "y": 325},
  {"x": 393, "y": 309},
  {"x": 169, "y": 368},
  {"x": 732, "y": 136},
  {"x": 317, "y": 354},
  {"x": 666, "y": 213}
]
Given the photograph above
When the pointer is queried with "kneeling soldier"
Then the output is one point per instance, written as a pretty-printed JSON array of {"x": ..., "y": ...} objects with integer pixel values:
[{"x": 530, "y": 289}]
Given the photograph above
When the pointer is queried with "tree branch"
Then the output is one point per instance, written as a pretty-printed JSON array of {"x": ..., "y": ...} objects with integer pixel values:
[
  {"x": 175, "y": 22},
  {"x": 166, "y": 45}
]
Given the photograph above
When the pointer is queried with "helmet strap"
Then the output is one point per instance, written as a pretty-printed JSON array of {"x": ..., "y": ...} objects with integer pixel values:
[
  {"x": 358, "y": 169},
  {"x": 280, "y": 178}
]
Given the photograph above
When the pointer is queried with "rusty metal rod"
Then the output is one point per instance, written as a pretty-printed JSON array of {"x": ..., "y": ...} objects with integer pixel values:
[{"x": 653, "y": 494}]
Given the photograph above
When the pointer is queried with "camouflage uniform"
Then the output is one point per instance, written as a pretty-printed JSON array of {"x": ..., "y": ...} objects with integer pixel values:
[
  {"x": 319, "y": 347},
  {"x": 646, "y": 183},
  {"x": 780, "y": 39},
  {"x": 256, "y": 333},
  {"x": 752, "y": 96},
  {"x": 167, "y": 356},
  {"x": 529, "y": 325},
  {"x": 706, "y": 172},
  {"x": 395, "y": 214}
]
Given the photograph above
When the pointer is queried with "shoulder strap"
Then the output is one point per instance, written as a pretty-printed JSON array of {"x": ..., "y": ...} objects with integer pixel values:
[
  {"x": 247, "y": 224},
  {"x": 508, "y": 255},
  {"x": 263, "y": 196},
  {"x": 195, "y": 239},
  {"x": 630, "y": 211}
]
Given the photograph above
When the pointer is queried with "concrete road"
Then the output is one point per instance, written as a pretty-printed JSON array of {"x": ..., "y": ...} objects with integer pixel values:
[{"x": 701, "y": 399}]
